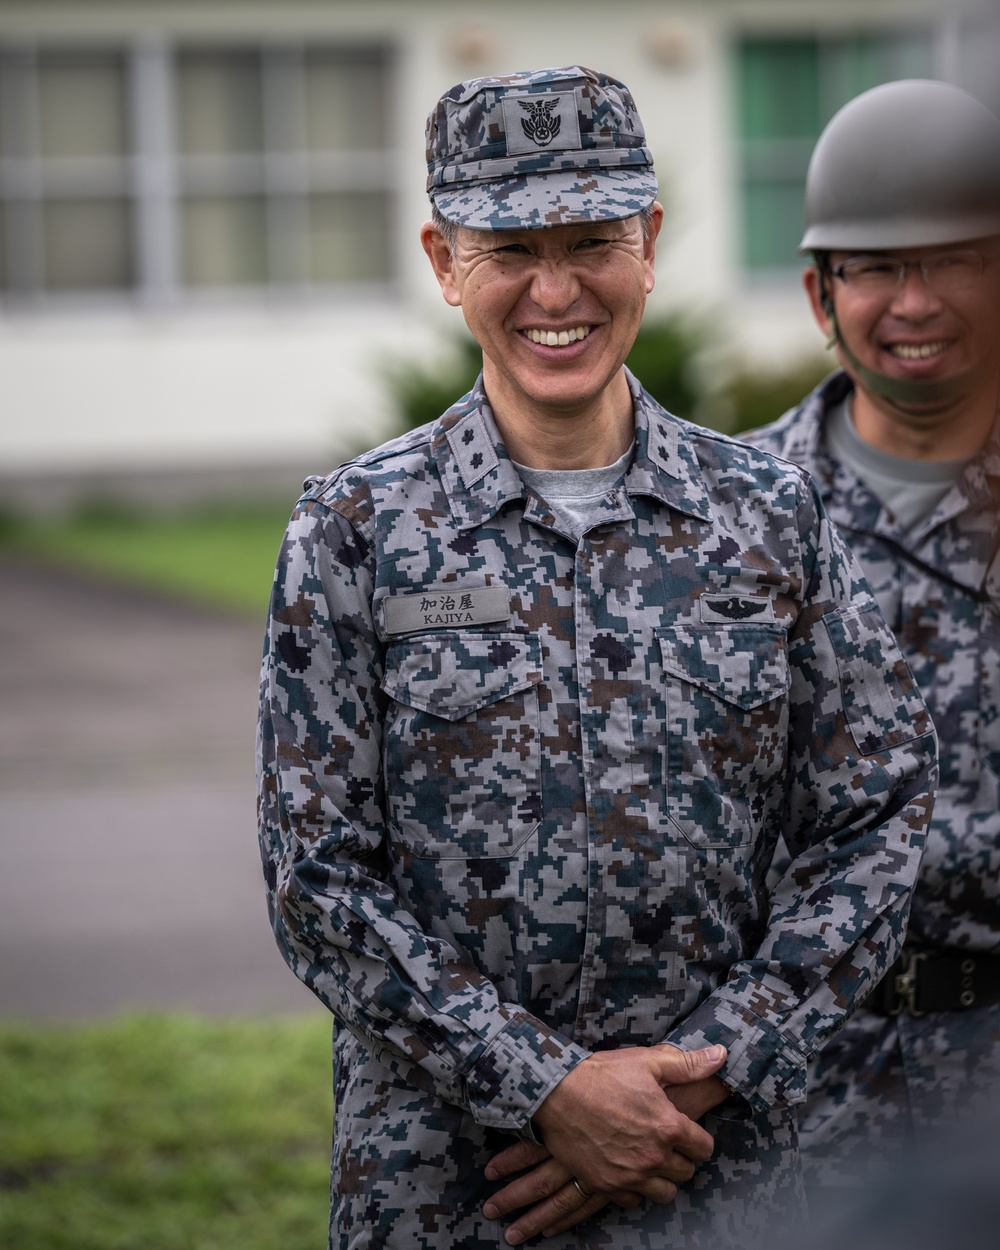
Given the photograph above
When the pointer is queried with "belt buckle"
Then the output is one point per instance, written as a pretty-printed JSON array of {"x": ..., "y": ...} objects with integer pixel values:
[{"x": 905, "y": 984}]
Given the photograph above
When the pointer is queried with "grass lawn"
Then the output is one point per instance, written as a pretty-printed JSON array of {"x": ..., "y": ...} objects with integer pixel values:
[
  {"x": 165, "y": 1132},
  {"x": 223, "y": 558}
]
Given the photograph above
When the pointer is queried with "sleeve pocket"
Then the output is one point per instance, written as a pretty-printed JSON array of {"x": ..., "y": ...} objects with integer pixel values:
[{"x": 880, "y": 699}]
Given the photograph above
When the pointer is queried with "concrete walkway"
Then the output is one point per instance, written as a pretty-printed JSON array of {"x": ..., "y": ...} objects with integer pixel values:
[{"x": 129, "y": 874}]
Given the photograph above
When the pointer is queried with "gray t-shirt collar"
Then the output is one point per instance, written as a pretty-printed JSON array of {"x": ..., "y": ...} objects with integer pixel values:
[
  {"x": 574, "y": 494},
  {"x": 910, "y": 489}
]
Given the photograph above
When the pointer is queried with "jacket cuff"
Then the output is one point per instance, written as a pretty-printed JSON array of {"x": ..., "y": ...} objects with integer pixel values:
[
  {"x": 763, "y": 1065},
  {"x": 516, "y": 1073}
]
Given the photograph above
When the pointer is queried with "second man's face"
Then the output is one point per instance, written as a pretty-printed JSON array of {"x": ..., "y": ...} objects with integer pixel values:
[
  {"x": 556, "y": 311},
  {"x": 919, "y": 330}
]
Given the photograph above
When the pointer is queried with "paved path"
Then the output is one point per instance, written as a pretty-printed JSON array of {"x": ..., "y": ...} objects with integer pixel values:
[{"x": 129, "y": 874}]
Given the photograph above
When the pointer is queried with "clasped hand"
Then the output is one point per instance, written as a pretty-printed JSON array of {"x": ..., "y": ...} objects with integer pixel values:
[{"x": 622, "y": 1125}]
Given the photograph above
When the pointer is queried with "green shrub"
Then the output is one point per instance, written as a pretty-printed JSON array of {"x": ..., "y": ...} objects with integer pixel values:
[
  {"x": 757, "y": 397},
  {"x": 421, "y": 394},
  {"x": 663, "y": 357}
]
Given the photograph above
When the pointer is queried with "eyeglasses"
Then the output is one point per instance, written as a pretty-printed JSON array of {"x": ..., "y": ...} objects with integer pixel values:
[{"x": 945, "y": 272}]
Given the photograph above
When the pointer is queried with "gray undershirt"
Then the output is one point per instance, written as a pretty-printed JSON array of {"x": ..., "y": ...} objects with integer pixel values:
[
  {"x": 910, "y": 489},
  {"x": 576, "y": 495}
]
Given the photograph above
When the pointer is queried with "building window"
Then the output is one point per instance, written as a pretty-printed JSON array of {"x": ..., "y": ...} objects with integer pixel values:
[
  {"x": 788, "y": 89},
  {"x": 157, "y": 170},
  {"x": 65, "y": 197}
]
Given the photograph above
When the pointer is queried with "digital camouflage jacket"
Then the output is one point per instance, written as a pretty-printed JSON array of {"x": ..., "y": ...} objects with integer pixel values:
[
  {"x": 881, "y": 1079},
  {"x": 519, "y": 795}
]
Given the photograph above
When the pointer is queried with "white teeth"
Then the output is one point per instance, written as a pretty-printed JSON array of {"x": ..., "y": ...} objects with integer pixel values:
[
  {"x": 913, "y": 351},
  {"x": 558, "y": 338}
]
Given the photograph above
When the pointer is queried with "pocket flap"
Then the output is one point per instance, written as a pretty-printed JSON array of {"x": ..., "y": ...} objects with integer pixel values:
[
  {"x": 745, "y": 665},
  {"x": 452, "y": 674}
]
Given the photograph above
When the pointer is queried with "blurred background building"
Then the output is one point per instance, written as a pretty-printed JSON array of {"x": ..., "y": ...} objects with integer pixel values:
[{"x": 209, "y": 210}]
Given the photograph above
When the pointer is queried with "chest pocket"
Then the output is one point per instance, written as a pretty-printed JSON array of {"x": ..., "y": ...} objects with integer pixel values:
[
  {"x": 461, "y": 752},
  {"x": 727, "y": 727}
]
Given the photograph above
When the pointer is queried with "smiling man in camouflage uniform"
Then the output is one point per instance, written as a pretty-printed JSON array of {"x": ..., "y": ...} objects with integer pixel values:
[
  {"x": 543, "y": 682},
  {"x": 903, "y": 208}
]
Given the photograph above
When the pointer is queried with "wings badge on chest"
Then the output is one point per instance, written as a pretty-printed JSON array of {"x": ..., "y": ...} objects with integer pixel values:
[{"x": 736, "y": 608}]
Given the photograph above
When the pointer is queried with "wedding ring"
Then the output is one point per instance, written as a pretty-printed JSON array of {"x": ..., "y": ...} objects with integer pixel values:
[{"x": 580, "y": 1190}]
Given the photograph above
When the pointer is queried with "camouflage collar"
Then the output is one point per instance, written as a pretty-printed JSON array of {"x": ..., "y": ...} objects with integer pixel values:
[
  {"x": 479, "y": 476},
  {"x": 665, "y": 465},
  {"x": 803, "y": 444},
  {"x": 981, "y": 480}
]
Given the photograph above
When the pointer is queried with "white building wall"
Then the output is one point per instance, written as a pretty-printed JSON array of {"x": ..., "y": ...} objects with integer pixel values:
[{"x": 269, "y": 381}]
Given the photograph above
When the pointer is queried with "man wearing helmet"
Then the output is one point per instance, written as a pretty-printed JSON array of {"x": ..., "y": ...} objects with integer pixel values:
[{"x": 903, "y": 219}]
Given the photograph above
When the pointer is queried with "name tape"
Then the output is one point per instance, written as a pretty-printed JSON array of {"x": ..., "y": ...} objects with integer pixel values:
[{"x": 449, "y": 608}]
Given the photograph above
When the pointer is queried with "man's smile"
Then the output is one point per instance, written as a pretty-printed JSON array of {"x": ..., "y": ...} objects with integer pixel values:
[
  {"x": 556, "y": 338},
  {"x": 918, "y": 351}
]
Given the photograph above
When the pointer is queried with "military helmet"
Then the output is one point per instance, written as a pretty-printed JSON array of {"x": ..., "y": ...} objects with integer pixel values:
[{"x": 914, "y": 163}]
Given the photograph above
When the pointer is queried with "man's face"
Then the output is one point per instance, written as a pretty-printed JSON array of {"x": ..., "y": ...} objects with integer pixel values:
[
  {"x": 556, "y": 311},
  {"x": 918, "y": 330}
]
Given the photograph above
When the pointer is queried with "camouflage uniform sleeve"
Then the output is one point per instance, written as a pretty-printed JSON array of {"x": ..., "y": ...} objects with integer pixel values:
[
  {"x": 425, "y": 1012},
  {"x": 861, "y": 768}
]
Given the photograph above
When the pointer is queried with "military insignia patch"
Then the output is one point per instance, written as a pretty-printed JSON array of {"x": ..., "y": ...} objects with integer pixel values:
[
  {"x": 540, "y": 126},
  {"x": 736, "y": 609},
  {"x": 544, "y": 120},
  {"x": 449, "y": 607}
]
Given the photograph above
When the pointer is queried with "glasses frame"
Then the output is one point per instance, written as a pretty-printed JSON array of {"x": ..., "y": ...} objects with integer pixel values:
[{"x": 985, "y": 259}]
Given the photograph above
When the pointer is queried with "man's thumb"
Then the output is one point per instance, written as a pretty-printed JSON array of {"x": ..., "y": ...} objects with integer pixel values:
[{"x": 679, "y": 1067}]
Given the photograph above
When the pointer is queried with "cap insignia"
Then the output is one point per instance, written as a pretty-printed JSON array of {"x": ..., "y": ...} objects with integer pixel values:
[
  {"x": 540, "y": 126},
  {"x": 552, "y": 122}
]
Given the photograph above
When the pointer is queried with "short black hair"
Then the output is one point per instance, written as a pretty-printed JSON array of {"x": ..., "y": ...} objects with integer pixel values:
[{"x": 821, "y": 259}]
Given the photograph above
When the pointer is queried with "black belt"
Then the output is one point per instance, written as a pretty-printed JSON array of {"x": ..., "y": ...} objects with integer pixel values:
[{"x": 923, "y": 981}]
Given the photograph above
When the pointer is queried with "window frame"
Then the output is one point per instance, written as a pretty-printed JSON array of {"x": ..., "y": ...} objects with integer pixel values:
[
  {"x": 153, "y": 176},
  {"x": 789, "y": 155}
]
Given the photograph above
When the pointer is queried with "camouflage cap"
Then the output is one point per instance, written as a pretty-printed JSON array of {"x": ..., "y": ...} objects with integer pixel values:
[{"x": 548, "y": 147}]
